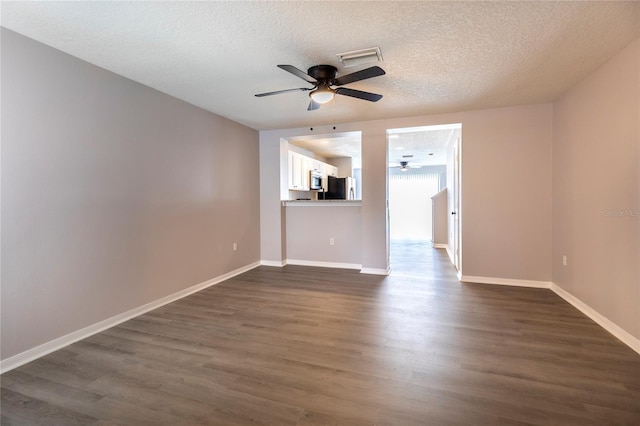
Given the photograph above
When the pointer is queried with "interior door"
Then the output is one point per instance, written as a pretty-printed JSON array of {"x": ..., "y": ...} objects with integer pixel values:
[{"x": 456, "y": 204}]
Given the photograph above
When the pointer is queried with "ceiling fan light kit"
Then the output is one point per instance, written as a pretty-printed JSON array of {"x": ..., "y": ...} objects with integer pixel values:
[
  {"x": 323, "y": 77},
  {"x": 322, "y": 95}
]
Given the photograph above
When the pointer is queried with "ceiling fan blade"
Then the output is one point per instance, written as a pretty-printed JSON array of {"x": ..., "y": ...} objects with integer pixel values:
[
  {"x": 367, "y": 96},
  {"x": 298, "y": 73},
  {"x": 359, "y": 75},
  {"x": 313, "y": 105},
  {"x": 277, "y": 92}
]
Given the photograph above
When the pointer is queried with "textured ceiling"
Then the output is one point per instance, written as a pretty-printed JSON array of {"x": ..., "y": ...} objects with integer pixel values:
[{"x": 439, "y": 56}]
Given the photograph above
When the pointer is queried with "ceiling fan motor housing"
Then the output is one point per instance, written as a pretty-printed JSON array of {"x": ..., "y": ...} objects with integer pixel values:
[{"x": 323, "y": 73}]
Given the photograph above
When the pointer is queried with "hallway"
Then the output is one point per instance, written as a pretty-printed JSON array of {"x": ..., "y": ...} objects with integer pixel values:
[{"x": 411, "y": 258}]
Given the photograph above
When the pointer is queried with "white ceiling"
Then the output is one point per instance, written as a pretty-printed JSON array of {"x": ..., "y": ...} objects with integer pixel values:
[
  {"x": 439, "y": 56},
  {"x": 344, "y": 145},
  {"x": 420, "y": 147}
]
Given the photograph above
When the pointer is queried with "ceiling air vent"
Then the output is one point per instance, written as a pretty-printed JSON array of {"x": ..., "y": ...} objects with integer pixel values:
[{"x": 360, "y": 57}]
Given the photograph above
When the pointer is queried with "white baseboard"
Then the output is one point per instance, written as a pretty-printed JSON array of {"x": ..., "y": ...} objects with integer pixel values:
[
  {"x": 505, "y": 281},
  {"x": 374, "y": 271},
  {"x": 450, "y": 254},
  {"x": 337, "y": 265},
  {"x": 323, "y": 264},
  {"x": 598, "y": 318},
  {"x": 278, "y": 263},
  {"x": 439, "y": 245},
  {"x": 59, "y": 343}
]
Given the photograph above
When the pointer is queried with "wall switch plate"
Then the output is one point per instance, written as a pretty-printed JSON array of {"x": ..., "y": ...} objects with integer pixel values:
[
  {"x": 331, "y": 241},
  {"x": 564, "y": 260},
  {"x": 235, "y": 246}
]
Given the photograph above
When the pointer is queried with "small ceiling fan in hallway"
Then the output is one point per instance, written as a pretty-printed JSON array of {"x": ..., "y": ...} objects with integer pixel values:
[{"x": 323, "y": 77}]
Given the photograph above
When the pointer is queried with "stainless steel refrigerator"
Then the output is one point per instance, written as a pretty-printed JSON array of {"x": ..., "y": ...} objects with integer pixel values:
[{"x": 341, "y": 188}]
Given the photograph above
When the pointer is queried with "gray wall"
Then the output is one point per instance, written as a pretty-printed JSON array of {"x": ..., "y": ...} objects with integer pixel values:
[
  {"x": 307, "y": 153},
  {"x": 506, "y": 193},
  {"x": 113, "y": 194},
  {"x": 344, "y": 165},
  {"x": 309, "y": 229},
  {"x": 506, "y": 229},
  {"x": 596, "y": 190},
  {"x": 440, "y": 217}
]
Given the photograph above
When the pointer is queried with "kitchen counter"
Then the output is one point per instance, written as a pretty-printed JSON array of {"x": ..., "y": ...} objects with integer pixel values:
[{"x": 322, "y": 203}]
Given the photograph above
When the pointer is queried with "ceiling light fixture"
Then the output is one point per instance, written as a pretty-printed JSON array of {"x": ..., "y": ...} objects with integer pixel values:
[
  {"x": 322, "y": 94},
  {"x": 404, "y": 166},
  {"x": 359, "y": 57}
]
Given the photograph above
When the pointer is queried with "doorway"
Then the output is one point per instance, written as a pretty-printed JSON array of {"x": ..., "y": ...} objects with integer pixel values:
[{"x": 421, "y": 169}]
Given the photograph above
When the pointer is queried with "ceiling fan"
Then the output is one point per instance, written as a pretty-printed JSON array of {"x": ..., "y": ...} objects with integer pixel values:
[
  {"x": 404, "y": 166},
  {"x": 323, "y": 77}
]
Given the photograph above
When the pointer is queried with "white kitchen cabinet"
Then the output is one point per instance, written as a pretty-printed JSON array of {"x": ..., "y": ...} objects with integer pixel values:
[
  {"x": 290, "y": 178},
  {"x": 299, "y": 168},
  {"x": 307, "y": 166},
  {"x": 295, "y": 171},
  {"x": 316, "y": 165}
]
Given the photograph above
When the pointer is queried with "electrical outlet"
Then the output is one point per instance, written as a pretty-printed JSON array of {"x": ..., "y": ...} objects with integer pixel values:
[
  {"x": 564, "y": 260},
  {"x": 235, "y": 246},
  {"x": 331, "y": 241}
]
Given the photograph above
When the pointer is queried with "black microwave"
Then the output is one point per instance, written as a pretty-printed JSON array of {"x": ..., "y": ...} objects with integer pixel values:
[{"x": 315, "y": 179}]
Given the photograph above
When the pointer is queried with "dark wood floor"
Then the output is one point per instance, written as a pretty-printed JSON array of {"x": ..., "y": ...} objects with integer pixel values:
[
  {"x": 312, "y": 346},
  {"x": 416, "y": 259}
]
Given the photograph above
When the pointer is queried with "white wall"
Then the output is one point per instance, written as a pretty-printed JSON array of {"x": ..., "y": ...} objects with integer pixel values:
[
  {"x": 596, "y": 190},
  {"x": 113, "y": 194},
  {"x": 410, "y": 205},
  {"x": 507, "y": 226}
]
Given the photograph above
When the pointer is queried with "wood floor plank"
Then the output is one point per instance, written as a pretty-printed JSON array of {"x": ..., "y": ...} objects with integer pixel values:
[
  {"x": 20, "y": 409},
  {"x": 315, "y": 346}
]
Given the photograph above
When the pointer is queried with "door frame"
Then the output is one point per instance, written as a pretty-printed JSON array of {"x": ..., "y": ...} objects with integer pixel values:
[
  {"x": 457, "y": 211},
  {"x": 455, "y": 254}
]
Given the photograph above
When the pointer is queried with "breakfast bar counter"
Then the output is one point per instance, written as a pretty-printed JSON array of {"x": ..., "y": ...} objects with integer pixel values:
[{"x": 322, "y": 203}]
